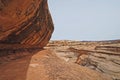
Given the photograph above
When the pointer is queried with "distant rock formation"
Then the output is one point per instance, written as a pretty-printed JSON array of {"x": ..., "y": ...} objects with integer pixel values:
[
  {"x": 102, "y": 56},
  {"x": 24, "y": 23}
]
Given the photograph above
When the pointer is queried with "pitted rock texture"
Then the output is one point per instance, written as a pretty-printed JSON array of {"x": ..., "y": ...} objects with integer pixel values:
[{"x": 25, "y": 23}]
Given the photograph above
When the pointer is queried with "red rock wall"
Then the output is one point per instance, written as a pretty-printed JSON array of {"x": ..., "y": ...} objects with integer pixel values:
[{"x": 25, "y": 22}]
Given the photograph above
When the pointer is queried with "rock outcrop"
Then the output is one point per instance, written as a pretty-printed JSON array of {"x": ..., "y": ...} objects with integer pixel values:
[
  {"x": 106, "y": 59},
  {"x": 45, "y": 65},
  {"x": 102, "y": 56},
  {"x": 25, "y": 28},
  {"x": 24, "y": 23}
]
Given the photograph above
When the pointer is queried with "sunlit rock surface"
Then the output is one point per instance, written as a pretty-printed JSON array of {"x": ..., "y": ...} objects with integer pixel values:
[
  {"x": 102, "y": 56},
  {"x": 44, "y": 65},
  {"x": 25, "y": 28}
]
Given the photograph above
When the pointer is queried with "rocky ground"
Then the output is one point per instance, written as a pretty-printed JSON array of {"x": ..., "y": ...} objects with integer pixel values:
[
  {"x": 94, "y": 61},
  {"x": 43, "y": 65},
  {"x": 103, "y": 56}
]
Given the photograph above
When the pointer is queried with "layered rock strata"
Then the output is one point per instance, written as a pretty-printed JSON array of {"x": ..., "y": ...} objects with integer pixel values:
[
  {"x": 102, "y": 56},
  {"x": 24, "y": 23}
]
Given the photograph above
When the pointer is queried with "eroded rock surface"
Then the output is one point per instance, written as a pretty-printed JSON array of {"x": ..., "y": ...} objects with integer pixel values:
[
  {"x": 25, "y": 28},
  {"x": 102, "y": 56},
  {"x": 24, "y": 23},
  {"x": 45, "y": 65}
]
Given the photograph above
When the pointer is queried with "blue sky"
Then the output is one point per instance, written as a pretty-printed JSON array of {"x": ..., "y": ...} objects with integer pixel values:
[{"x": 85, "y": 19}]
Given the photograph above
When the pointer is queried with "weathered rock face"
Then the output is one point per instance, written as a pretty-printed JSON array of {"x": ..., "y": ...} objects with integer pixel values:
[
  {"x": 106, "y": 59},
  {"x": 25, "y": 23},
  {"x": 100, "y": 56}
]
